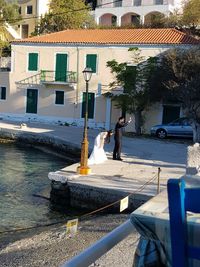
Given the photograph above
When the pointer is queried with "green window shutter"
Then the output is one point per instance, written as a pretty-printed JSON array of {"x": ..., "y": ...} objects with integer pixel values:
[
  {"x": 61, "y": 67},
  {"x": 59, "y": 98},
  {"x": 91, "y": 62},
  {"x": 33, "y": 61},
  {"x": 3, "y": 93},
  {"x": 91, "y": 98}
]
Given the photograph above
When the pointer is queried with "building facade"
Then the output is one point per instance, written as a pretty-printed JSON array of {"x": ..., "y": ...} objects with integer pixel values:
[
  {"x": 31, "y": 12},
  {"x": 46, "y": 82},
  {"x": 132, "y": 12}
]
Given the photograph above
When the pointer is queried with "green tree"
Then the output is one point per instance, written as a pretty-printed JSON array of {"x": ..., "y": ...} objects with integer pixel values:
[
  {"x": 191, "y": 13},
  {"x": 188, "y": 21},
  {"x": 9, "y": 13},
  {"x": 156, "y": 20},
  {"x": 177, "y": 80},
  {"x": 134, "y": 78},
  {"x": 65, "y": 14}
]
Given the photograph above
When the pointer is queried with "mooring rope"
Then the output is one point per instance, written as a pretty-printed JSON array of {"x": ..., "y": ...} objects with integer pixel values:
[{"x": 84, "y": 216}]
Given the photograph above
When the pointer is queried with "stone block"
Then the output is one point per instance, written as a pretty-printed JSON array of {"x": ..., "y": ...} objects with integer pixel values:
[
  {"x": 60, "y": 194},
  {"x": 193, "y": 159}
]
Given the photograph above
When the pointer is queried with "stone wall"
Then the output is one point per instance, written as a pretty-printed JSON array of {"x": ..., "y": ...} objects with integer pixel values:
[{"x": 72, "y": 195}]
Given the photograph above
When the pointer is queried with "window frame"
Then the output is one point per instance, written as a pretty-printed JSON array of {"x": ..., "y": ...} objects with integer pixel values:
[
  {"x": 156, "y": 2},
  {"x": 118, "y": 3},
  {"x": 5, "y": 93},
  {"x": 55, "y": 94},
  {"x": 136, "y": 3},
  {"x": 27, "y": 8}
]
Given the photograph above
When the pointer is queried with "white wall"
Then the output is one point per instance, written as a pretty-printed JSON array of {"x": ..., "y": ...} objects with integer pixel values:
[
  {"x": 71, "y": 111},
  {"x": 43, "y": 7}
]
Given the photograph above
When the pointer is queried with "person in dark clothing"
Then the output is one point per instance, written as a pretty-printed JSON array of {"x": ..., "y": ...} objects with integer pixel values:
[{"x": 118, "y": 137}]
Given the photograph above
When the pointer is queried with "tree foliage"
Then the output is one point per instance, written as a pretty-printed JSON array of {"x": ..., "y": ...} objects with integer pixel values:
[
  {"x": 9, "y": 12},
  {"x": 134, "y": 78},
  {"x": 187, "y": 20},
  {"x": 191, "y": 13},
  {"x": 178, "y": 80},
  {"x": 92, "y": 3},
  {"x": 65, "y": 14}
]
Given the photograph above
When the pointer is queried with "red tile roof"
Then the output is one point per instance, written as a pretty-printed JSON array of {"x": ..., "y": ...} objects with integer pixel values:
[{"x": 114, "y": 36}]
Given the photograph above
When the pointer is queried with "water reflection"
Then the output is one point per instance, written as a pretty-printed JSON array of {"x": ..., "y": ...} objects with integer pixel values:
[{"x": 23, "y": 173}]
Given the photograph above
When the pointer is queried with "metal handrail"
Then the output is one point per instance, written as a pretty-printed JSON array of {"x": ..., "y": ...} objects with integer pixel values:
[
  {"x": 54, "y": 76},
  {"x": 99, "y": 248},
  {"x": 48, "y": 76},
  {"x": 34, "y": 79}
]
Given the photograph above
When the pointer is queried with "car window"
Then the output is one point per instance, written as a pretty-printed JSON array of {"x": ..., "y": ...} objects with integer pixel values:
[
  {"x": 177, "y": 122},
  {"x": 186, "y": 122}
]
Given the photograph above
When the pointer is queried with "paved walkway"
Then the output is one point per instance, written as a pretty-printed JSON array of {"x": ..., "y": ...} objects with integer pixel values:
[{"x": 142, "y": 157}]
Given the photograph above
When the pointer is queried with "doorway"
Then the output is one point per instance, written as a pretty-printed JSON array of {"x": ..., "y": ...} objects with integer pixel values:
[
  {"x": 170, "y": 113},
  {"x": 32, "y": 101},
  {"x": 61, "y": 68}
]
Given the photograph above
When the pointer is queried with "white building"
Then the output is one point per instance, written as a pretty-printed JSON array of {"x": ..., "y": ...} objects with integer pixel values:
[
  {"x": 127, "y": 12},
  {"x": 46, "y": 82}
]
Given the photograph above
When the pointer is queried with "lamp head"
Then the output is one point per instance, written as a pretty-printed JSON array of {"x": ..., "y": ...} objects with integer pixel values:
[{"x": 87, "y": 74}]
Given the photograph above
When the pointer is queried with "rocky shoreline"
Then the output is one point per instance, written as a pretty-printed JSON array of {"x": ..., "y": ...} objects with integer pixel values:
[
  {"x": 6, "y": 141},
  {"x": 44, "y": 147},
  {"x": 49, "y": 246}
]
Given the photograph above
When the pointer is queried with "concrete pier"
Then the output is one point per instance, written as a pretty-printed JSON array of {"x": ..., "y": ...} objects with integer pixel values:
[
  {"x": 89, "y": 192},
  {"x": 111, "y": 180}
]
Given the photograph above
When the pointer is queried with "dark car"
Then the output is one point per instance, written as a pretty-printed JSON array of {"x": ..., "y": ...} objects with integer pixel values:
[{"x": 180, "y": 127}]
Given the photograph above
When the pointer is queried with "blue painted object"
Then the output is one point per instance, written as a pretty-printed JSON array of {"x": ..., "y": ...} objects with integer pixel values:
[{"x": 181, "y": 200}]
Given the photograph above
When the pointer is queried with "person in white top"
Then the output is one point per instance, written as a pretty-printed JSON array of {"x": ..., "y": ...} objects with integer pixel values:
[{"x": 98, "y": 154}]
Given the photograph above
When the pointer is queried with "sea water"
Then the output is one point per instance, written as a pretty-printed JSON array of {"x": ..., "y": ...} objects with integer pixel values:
[{"x": 23, "y": 184}]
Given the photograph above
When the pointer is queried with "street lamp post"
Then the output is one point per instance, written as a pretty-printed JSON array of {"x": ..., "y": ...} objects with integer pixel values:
[{"x": 83, "y": 168}]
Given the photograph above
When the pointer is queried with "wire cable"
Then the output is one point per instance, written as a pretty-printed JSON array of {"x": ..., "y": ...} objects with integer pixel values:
[
  {"x": 58, "y": 14},
  {"x": 84, "y": 216}
]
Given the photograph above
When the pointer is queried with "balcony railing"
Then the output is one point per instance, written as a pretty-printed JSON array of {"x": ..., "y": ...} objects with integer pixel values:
[
  {"x": 135, "y": 3},
  {"x": 58, "y": 77},
  {"x": 50, "y": 77}
]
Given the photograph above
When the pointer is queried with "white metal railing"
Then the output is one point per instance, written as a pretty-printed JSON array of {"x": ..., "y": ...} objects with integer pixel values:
[
  {"x": 135, "y": 3},
  {"x": 95, "y": 251}
]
